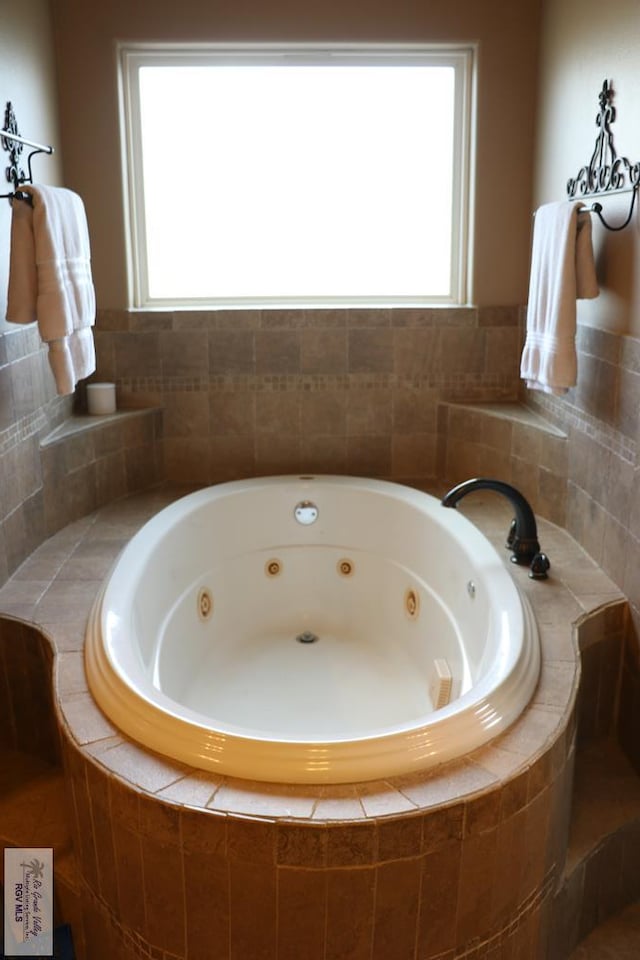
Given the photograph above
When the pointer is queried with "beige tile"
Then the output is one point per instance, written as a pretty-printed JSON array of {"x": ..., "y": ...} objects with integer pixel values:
[
  {"x": 475, "y": 892},
  {"x": 350, "y": 911},
  {"x": 439, "y": 901},
  {"x": 447, "y": 783},
  {"x": 232, "y": 413},
  {"x": 141, "y": 767},
  {"x": 323, "y": 454},
  {"x": 103, "y": 834},
  {"x": 264, "y": 800},
  {"x": 206, "y": 887},
  {"x": 187, "y": 460},
  {"x": 186, "y": 414},
  {"x": 195, "y": 790},
  {"x": 507, "y": 881},
  {"x": 164, "y": 895},
  {"x": 371, "y": 351},
  {"x": 397, "y": 908},
  {"x": 86, "y": 722},
  {"x": 276, "y": 453},
  {"x": 71, "y": 674},
  {"x": 323, "y": 351},
  {"x": 461, "y": 351},
  {"x": 400, "y": 837},
  {"x": 442, "y": 826},
  {"x": 253, "y": 900},
  {"x": 277, "y": 351},
  {"x": 137, "y": 355},
  {"x": 323, "y": 413},
  {"x": 252, "y": 840},
  {"x": 369, "y": 456},
  {"x": 279, "y": 413},
  {"x": 232, "y": 458},
  {"x": 203, "y": 832},
  {"x": 302, "y": 907},
  {"x": 351, "y": 844},
  {"x": 301, "y": 845},
  {"x": 381, "y": 799},
  {"x": 67, "y": 601},
  {"x": 130, "y": 877},
  {"x": 369, "y": 413},
  {"x": 415, "y": 410},
  {"x": 91, "y": 560},
  {"x": 535, "y": 852},
  {"x": 338, "y": 803},
  {"x": 232, "y": 351},
  {"x": 184, "y": 353},
  {"x": 414, "y": 455}
]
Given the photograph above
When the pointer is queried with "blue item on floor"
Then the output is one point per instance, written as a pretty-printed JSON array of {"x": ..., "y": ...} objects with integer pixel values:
[{"x": 62, "y": 944}]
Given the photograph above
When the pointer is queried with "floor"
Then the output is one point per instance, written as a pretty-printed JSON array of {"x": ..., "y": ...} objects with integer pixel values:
[{"x": 617, "y": 939}]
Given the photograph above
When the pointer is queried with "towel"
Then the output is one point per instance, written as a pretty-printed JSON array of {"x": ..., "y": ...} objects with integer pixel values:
[
  {"x": 562, "y": 271},
  {"x": 50, "y": 279}
]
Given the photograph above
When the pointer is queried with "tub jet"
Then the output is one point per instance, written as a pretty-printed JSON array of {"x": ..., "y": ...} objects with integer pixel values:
[{"x": 307, "y": 637}]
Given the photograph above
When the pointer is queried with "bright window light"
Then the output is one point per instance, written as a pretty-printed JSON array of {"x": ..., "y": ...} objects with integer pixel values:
[{"x": 298, "y": 176}]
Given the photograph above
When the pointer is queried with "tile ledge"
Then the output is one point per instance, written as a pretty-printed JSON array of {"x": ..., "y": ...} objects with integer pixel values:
[
  {"x": 81, "y": 423},
  {"x": 516, "y": 412}
]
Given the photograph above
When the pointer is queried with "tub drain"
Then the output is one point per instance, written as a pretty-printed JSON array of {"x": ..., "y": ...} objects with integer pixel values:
[{"x": 307, "y": 637}]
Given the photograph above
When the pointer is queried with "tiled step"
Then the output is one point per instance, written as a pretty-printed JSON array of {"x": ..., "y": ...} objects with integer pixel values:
[
  {"x": 601, "y": 873},
  {"x": 34, "y": 813},
  {"x": 617, "y": 939}
]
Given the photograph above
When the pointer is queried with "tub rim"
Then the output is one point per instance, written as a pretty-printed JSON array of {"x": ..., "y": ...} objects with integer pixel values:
[{"x": 403, "y": 749}]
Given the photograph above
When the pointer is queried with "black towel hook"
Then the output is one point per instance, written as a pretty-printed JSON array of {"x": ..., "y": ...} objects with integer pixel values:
[
  {"x": 13, "y": 142},
  {"x": 606, "y": 173}
]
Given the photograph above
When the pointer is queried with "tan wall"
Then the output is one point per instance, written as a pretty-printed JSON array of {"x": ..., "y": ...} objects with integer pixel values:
[
  {"x": 582, "y": 44},
  {"x": 507, "y": 33},
  {"x": 28, "y": 80}
]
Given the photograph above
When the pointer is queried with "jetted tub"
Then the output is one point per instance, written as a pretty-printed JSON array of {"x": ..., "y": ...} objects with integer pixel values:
[{"x": 310, "y": 630}]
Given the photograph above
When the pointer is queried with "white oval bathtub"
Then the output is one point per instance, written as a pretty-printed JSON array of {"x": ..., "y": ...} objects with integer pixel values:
[{"x": 234, "y": 637}]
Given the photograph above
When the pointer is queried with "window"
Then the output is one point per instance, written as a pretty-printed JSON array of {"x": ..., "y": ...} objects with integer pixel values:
[{"x": 297, "y": 175}]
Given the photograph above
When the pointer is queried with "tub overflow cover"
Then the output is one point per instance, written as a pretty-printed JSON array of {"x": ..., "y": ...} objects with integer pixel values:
[{"x": 306, "y": 512}]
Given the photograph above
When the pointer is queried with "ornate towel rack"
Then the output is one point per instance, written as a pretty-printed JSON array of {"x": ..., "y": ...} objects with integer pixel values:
[
  {"x": 606, "y": 173},
  {"x": 13, "y": 142}
]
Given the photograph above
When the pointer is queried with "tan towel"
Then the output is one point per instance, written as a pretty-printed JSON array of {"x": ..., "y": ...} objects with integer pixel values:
[
  {"x": 562, "y": 271},
  {"x": 50, "y": 279}
]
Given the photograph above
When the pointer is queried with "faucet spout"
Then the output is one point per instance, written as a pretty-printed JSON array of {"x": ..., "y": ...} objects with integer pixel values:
[{"x": 523, "y": 535}]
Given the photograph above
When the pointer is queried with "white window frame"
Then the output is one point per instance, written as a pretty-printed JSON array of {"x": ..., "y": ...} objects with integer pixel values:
[{"x": 133, "y": 56}]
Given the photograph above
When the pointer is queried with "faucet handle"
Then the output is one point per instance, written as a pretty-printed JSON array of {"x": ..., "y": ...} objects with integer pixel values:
[{"x": 539, "y": 566}]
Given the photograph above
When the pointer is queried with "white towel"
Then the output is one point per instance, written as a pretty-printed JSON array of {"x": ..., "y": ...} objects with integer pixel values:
[
  {"x": 50, "y": 279},
  {"x": 562, "y": 271}
]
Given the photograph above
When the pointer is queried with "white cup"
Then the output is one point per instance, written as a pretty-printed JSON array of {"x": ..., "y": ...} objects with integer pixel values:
[{"x": 101, "y": 398}]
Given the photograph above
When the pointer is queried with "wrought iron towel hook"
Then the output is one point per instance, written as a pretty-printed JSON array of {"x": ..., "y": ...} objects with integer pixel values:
[
  {"x": 13, "y": 142},
  {"x": 606, "y": 173}
]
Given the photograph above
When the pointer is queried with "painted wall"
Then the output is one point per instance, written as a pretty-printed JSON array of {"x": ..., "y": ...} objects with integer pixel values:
[
  {"x": 582, "y": 44},
  {"x": 28, "y": 80},
  {"x": 507, "y": 33}
]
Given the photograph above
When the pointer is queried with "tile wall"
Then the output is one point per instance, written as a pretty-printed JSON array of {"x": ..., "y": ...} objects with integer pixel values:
[
  {"x": 249, "y": 393},
  {"x": 50, "y": 474},
  {"x": 601, "y": 417}
]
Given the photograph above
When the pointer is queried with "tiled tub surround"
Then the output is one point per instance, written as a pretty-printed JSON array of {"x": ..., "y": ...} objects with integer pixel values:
[
  {"x": 290, "y": 391},
  {"x": 53, "y": 468},
  {"x": 176, "y": 863},
  {"x": 600, "y": 418}
]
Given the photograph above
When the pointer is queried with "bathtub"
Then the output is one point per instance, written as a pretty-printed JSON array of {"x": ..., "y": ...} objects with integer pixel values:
[{"x": 311, "y": 630}]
